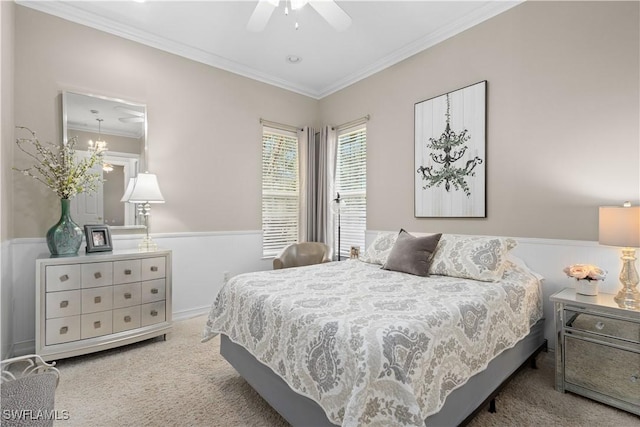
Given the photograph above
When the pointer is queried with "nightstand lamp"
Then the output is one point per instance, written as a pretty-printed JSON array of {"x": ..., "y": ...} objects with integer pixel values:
[
  {"x": 620, "y": 226},
  {"x": 144, "y": 192}
]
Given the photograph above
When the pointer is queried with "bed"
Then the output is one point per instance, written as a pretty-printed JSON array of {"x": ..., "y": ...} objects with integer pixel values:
[{"x": 350, "y": 343}]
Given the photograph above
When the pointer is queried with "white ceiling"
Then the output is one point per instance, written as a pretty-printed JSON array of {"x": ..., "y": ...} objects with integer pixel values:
[{"x": 382, "y": 33}]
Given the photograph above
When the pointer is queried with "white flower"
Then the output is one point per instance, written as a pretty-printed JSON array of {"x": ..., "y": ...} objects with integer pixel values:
[{"x": 585, "y": 271}]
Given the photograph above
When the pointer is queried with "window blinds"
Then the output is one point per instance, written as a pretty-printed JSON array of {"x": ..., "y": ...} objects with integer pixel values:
[
  {"x": 351, "y": 183},
  {"x": 280, "y": 190}
]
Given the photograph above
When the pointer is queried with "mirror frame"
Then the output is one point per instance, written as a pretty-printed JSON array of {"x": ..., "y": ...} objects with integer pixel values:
[{"x": 142, "y": 163}]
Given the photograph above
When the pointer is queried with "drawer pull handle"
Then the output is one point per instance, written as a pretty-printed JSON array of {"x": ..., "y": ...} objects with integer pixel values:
[
  {"x": 64, "y": 330},
  {"x": 64, "y": 277},
  {"x": 127, "y": 295},
  {"x": 154, "y": 290},
  {"x": 634, "y": 378},
  {"x": 97, "y": 300},
  {"x": 64, "y": 304},
  {"x": 154, "y": 268},
  {"x": 96, "y": 324},
  {"x": 97, "y": 275},
  {"x": 127, "y": 272},
  {"x": 127, "y": 319},
  {"x": 600, "y": 326},
  {"x": 154, "y": 313}
]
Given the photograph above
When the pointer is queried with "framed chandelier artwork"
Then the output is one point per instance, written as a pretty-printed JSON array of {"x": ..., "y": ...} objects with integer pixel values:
[{"x": 450, "y": 154}]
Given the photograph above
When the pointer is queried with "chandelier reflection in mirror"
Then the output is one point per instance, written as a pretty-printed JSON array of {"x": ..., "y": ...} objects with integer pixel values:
[
  {"x": 100, "y": 144},
  {"x": 448, "y": 149}
]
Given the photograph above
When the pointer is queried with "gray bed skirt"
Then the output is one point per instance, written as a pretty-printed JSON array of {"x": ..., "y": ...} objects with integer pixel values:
[{"x": 458, "y": 408}]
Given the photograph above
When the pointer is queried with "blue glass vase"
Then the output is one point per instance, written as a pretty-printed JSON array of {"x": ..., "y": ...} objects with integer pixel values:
[{"x": 64, "y": 238}]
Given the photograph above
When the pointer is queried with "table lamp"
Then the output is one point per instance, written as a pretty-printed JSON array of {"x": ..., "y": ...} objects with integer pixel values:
[
  {"x": 144, "y": 192},
  {"x": 620, "y": 226}
]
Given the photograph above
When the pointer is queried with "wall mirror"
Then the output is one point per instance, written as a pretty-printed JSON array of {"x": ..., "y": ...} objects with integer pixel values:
[{"x": 122, "y": 127}]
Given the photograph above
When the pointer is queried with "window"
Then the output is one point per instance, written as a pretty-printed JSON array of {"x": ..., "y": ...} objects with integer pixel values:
[
  {"x": 280, "y": 192},
  {"x": 351, "y": 183}
]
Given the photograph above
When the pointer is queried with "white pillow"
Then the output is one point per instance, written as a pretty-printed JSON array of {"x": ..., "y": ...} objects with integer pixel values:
[
  {"x": 379, "y": 250},
  {"x": 482, "y": 258}
]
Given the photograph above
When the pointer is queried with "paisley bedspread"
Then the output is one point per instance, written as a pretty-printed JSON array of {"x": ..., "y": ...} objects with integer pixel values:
[{"x": 371, "y": 346}]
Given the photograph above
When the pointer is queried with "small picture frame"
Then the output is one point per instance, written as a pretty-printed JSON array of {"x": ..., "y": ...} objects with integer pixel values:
[
  {"x": 98, "y": 238},
  {"x": 354, "y": 253}
]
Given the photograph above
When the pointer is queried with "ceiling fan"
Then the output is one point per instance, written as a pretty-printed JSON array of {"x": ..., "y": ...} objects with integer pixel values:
[
  {"x": 328, "y": 9},
  {"x": 134, "y": 116}
]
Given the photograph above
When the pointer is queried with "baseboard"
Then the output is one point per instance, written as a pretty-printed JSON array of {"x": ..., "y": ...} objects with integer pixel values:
[
  {"x": 22, "y": 348},
  {"x": 191, "y": 313}
]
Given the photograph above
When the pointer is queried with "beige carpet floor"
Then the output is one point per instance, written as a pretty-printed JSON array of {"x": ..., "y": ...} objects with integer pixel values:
[{"x": 182, "y": 382}]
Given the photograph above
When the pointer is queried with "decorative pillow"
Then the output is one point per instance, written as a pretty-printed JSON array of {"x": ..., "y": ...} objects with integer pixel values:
[
  {"x": 471, "y": 257},
  {"x": 379, "y": 250},
  {"x": 412, "y": 254}
]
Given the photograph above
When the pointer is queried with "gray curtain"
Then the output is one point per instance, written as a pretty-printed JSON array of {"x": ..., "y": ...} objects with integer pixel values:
[{"x": 319, "y": 164}]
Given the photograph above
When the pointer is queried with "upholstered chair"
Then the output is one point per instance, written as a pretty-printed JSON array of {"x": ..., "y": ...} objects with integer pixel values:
[{"x": 304, "y": 253}]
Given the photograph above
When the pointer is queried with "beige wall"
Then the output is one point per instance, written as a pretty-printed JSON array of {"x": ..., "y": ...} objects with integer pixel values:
[
  {"x": 204, "y": 132},
  {"x": 562, "y": 114},
  {"x": 7, "y": 13}
]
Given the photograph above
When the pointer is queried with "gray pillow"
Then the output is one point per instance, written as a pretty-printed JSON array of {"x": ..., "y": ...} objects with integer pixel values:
[{"x": 412, "y": 254}]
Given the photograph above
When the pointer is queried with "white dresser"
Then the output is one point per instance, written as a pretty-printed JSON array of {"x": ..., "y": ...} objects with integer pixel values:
[{"x": 94, "y": 302}]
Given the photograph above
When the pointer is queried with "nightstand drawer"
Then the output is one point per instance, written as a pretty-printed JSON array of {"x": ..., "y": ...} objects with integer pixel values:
[
  {"x": 97, "y": 274},
  {"x": 97, "y": 299},
  {"x": 607, "y": 370},
  {"x": 63, "y": 329},
  {"x": 153, "y": 290},
  {"x": 126, "y": 271},
  {"x": 126, "y": 318},
  {"x": 603, "y": 325},
  {"x": 96, "y": 324},
  {"x": 152, "y": 313},
  {"x": 62, "y": 277},
  {"x": 126, "y": 295},
  {"x": 62, "y": 304}
]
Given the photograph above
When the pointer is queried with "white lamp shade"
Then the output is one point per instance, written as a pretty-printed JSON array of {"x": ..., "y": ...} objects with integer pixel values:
[
  {"x": 619, "y": 226},
  {"x": 146, "y": 189},
  {"x": 129, "y": 190}
]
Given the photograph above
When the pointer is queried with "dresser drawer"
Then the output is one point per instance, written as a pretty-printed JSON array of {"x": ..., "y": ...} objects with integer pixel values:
[
  {"x": 62, "y": 304},
  {"x": 63, "y": 329},
  {"x": 152, "y": 313},
  {"x": 97, "y": 274},
  {"x": 126, "y": 271},
  {"x": 96, "y": 324},
  {"x": 607, "y": 370},
  {"x": 126, "y": 318},
  {"x": 126, "y": 295},
  {"x": 153, "y": 268},
  {"x": 602, "y": 325},
  {"x": 153, "y": 290},
  {"x": 97, "y": 299},
  {"x": 62, "y": 277}
]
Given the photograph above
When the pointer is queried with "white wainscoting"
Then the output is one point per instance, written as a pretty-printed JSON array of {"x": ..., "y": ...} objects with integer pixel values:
[
  {"x": 549, "y": 256},
  {"x": 200, "y": 262},
  {"x": 6, "y": 300}
]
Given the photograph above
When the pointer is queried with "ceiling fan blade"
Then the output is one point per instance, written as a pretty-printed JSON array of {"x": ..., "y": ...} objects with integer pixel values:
[
  {"x": 261, "y": 15},
  {"x": 333, "y": 13},
  {"x": 129, "y": 111},
  {"x": 131, "y": 119}
]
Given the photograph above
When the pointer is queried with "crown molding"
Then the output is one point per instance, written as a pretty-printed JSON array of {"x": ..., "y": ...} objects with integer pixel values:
[
  {"x": 461, "y": 24},
  {"x": 67, "y": 11}
]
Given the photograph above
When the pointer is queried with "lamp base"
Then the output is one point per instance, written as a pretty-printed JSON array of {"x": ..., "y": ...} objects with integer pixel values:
[
  {"x": 147, "y": 245},
  {"x": 628, "y": 297}
]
